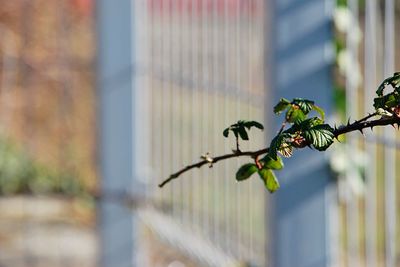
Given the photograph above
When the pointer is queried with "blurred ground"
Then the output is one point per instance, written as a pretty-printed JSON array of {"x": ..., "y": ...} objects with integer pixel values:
[{"x": 45, "y": 231}]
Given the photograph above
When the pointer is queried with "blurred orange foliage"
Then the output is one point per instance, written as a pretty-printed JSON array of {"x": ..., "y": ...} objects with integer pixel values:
[{"x": 47, "y": 93}]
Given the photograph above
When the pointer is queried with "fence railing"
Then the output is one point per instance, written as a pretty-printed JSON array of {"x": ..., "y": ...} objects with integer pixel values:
[
  {"x": 193, "y": 68},
  {"x": 367, "y": 191}
]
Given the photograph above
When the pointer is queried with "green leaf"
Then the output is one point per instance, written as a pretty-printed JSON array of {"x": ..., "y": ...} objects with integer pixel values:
[
  {"x": 309, "y": 123},
  {"x": 320, "y": 136},
  {"x": 393, "y": 81},
  {"x": 226, "y": 132},
  {"x": 269, "y": 179},
  {"x": 392, "y": 100},
  {"x": 270, "y": 163},
  {"x": 245, "y": 171},
  {"x": 295, "y": 115},
  {"x": 243, "y": 133},
  {"x": 276, "y": 145},
  {"x": 379, "y": 102},
  {"x": 281, "y": 106},
  {"x": 249, "y": 124},
  {"x": 320, "y": 111},
  {"x": 304, "y": 104},
  {"x": 387, "y": 101}
]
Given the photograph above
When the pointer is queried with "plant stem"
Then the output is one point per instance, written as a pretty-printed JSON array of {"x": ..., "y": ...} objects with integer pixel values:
[
  {"x": 358, "y": 125},
  {"x": 199, "y": 164}
]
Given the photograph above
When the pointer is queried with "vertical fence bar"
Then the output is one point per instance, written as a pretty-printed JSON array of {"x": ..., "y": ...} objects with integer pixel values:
[
  {"x": 216, "y": 123},
  {"x": 227, "y": 120},
  {"x": 370, "y": 148},
  {"x": 352, "y": 83},
  {"x": 238, "y": 114},
  {"x": 116, "y": 95},
  {"x": 195, "y": 108},
  {"x": 390, "y": 152},
  {"x": 205, "y": 112},
  {"x": 300, "y": 65}
]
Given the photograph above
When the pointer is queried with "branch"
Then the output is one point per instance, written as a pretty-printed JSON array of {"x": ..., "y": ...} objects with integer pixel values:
[
  {"x": 358, "y": 125},
  {"x": 362, "y": 124},
  {"x": 210, "y": 160}
]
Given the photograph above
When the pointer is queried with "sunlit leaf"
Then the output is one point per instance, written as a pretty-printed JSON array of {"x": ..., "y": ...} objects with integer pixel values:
[
  {"x": 270, "y": 163},
  {"x": 320, "y": 111},
  {"x": 245, "y": 171},
  {"x": 304, "y": 104},
  {"x": 379, "y": 102},
  {"x": 275, "y": 145},
  {"x": 393, "y": 81},
  {"x": 295, "y": 115},
  {"x": 320, "y": 136},
  {"x": 309, "y": 123},
  {"x": 269, "y": 179},
  {"x": 281, "y": 106}
]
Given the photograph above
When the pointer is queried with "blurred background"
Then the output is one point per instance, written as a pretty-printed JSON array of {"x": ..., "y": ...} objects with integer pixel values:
[{"x": 100, "y": 100}]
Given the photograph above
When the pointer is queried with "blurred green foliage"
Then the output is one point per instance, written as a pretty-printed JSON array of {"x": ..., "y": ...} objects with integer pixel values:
[{"x": 21, "y": 174}]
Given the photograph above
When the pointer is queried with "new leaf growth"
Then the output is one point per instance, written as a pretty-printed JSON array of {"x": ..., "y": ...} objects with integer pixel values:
[{"x": 299, "y": 129}]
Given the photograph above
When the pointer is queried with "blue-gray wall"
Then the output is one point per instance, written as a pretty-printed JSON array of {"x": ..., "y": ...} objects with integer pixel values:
[{"x": 299, "y": 61}]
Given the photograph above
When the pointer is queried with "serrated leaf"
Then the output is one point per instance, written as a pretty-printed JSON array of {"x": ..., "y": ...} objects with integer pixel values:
[
  {"x": 249, "y": 124},
  {"x": 393, "y": 81},
  {"x": 304, "y": 104},
  {"x": 243, "y": 134},
  {"x": 269, "y": 179},
  {"x": 379, "y": 102},
  {"x": 226, "y": 132},
  {"x": 295, "y": 115},
  {"x": 320, "y": 111},
  {"x": 245, "y": 171},
  {"x": 387, "y": 101},
  {"x": 309, "y": 123},
  {"x": 275, "y": 145},
  {"x": 320, "y": 136},
  {"x": 281, "y": 106},
  {"x": 391, "y": 100},
  {"x": 270, "y": 163}
]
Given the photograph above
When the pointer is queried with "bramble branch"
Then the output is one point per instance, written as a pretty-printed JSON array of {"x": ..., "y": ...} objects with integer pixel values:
[
  {"x": 252, "y": 154},
  {"x": 359, "y": 125},
  {"x": 303, "y": 131}
]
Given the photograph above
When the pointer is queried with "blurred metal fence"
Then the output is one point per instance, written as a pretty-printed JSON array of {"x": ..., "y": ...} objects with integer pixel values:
[
  {"x": 368, "y": 201},
  {"x": 200, "y": 69}
]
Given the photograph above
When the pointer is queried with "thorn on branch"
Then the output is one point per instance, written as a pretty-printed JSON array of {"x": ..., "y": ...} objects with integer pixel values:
[{"x": 207, "y": 158}]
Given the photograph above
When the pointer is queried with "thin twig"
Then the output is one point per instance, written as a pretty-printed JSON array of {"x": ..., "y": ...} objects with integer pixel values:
[
  {"x": 366, "y": 117},
  {"x": 358, "y": 125},
  {"x": 237, "y": 144},
  {"x": 282, "y": 127},
  {"x": 199, "y": 164}
]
